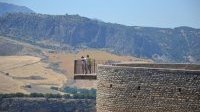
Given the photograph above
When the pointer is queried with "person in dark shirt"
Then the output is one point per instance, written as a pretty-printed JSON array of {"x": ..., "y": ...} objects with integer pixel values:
[{"x": 89, "y": 63}]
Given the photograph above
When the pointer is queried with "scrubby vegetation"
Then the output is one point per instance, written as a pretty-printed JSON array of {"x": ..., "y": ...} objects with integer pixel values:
[
  {"x": 55, "y": 66},
  {"x": 37, "y": 102},
  {"x": 84, "y": 94},
  {"x": 81, "y": 93}
]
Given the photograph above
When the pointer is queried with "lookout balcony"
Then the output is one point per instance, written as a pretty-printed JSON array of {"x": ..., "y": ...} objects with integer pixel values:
[{"x": 84, "y": 72}]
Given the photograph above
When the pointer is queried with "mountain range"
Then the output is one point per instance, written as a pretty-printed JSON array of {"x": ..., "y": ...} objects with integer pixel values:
[
  {"x": 10, "y": 8},
  {"x": 180, "y": 44}
]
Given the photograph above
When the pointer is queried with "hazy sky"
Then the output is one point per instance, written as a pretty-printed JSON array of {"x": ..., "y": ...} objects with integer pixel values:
[{"x": 155, "y": 13}]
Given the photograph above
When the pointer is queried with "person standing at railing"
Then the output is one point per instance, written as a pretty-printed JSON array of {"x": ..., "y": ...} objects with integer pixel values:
[
  {"x": 83, "y": 64},
  {"x": 89, "y": 64}
]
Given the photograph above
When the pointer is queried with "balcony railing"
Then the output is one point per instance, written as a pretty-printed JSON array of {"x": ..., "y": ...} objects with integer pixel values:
[{"x": 84, "y": 70}]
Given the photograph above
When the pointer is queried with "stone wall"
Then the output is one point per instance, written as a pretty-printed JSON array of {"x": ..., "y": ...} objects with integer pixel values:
[{"x": 143, "y": 89}]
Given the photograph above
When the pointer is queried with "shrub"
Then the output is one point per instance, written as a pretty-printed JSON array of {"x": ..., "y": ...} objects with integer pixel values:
[
  {"x": 36, "y": 95},
  {"x": 54, "y": 88},
  {"x": 67, "y": 96},
  {"x": 70, "y": 90},
  {"x": 48, "y": 95},
  {"x": 19, "y": 95},
  {"x": 78, "y": 96}
]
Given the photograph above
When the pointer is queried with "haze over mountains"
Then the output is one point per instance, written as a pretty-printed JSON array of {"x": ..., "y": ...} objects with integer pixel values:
[
  {"x": 10, "y": 8},
  {"x": 179, "y": 44}
]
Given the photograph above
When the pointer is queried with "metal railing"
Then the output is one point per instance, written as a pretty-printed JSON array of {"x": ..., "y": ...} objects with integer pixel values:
[{"x": 85, "y": 68}]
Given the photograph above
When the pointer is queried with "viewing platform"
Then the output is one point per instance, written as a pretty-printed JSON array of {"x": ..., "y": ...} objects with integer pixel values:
[
  {"x": 85, "y": 76},
  {"x": 84, "y": 72}
]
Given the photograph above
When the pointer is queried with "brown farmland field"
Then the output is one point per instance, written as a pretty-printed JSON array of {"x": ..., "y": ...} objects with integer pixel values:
[{"x": 18, "y": 71}]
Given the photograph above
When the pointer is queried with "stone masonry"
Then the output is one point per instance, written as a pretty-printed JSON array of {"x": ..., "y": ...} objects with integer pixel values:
[{"x": 148, "y": 88}]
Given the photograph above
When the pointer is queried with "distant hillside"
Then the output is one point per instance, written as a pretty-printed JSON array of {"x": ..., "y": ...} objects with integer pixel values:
[
  {"x": 10, "y": 8},
  {"x": 180, "y": 44},
  {"x": 9, "y": 47}
]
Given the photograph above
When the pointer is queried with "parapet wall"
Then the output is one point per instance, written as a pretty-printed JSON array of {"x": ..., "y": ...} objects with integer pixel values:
[{"x": 125, "y": 88}]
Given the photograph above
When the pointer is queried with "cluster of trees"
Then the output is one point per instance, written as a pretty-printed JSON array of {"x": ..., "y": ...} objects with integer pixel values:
[
  {"x": 81, "y": 93},
  {"x": 48, "y": 95},
  {"x": 71, "y": 93},
  {"x": 11, "y": 95}
]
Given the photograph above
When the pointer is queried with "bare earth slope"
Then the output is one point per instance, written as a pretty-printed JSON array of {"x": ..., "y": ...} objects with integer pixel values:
[{"x": 16, "y": 72}]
